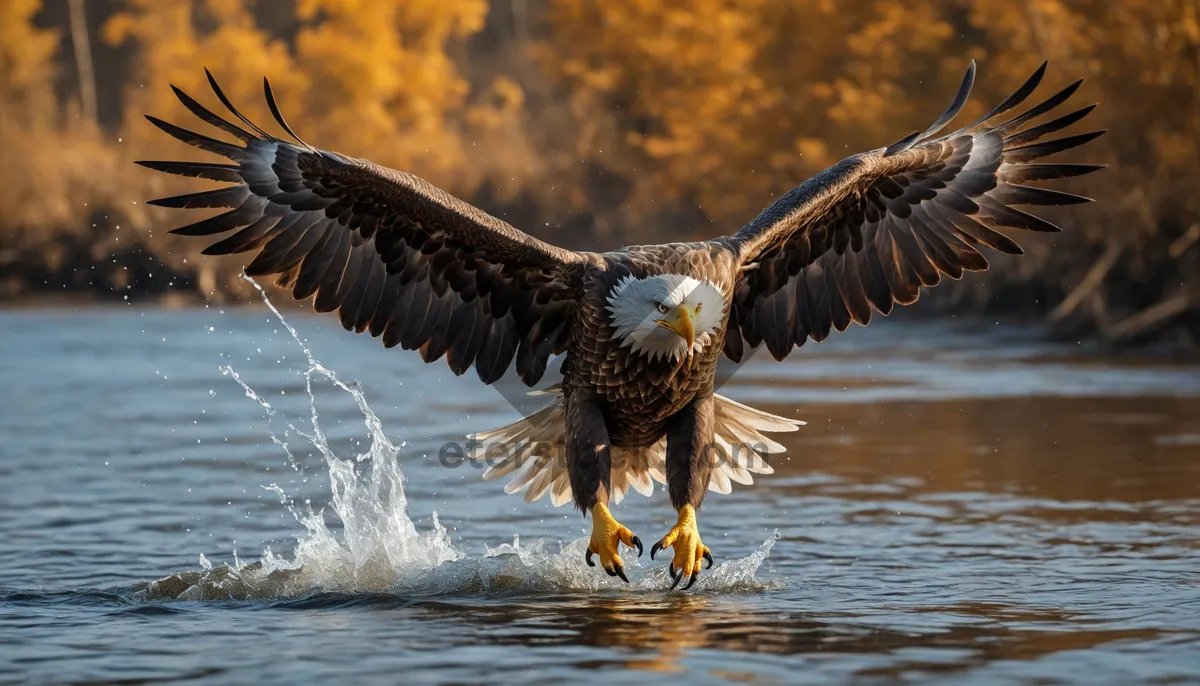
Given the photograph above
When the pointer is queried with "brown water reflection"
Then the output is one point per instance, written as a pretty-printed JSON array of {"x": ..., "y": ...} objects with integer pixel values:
[
  {"x": 1130, "y": 450},
  {"x": 657, "y": 634}
]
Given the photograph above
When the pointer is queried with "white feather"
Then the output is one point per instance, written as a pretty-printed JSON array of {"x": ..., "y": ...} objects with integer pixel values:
[
  {"x": 522, "y": 448},
  {"x": 632, "y": 307}
]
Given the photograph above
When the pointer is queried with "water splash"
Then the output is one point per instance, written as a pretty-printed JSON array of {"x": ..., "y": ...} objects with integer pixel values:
[{"x": 380, "y": 550}]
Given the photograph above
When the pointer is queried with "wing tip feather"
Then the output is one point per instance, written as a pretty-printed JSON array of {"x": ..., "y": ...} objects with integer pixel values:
[
  {"x": 216, "y": 88},
  {"x": 269, "y": 93}
]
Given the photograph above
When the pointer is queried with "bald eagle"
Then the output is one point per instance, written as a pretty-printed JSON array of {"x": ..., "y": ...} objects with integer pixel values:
[{"x": 640, "y": 329}]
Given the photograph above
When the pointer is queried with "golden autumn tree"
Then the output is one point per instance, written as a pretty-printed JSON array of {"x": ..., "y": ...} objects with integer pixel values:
[
  {"x": 394, "y": 95},
  {"x": 630, "y": 121},
  {"x": 727, "y": 103},
  {"x": 724, "y": 104},
  {"x": 174, "y": 42},
  {"x": 60, "y": 171},
  {"x": 384, "y": 86},
  {"x": 28, "y": 107},
  {"x": 370, "y": 79},
  {"x": 26, "y": 57}
]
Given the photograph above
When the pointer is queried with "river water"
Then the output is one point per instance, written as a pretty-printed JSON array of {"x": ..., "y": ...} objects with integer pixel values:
[{"x": 185, "y": 496}]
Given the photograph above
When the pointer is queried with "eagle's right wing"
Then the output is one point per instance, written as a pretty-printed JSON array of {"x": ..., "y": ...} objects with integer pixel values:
[
  {"x": 874, "y": 229},
  {"x": 392, "y": 253}
]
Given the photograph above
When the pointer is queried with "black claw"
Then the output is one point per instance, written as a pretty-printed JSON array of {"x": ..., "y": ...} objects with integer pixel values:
[
  {"x": 655, "y": 548},
  {"x": 610, "y": 572},
  {"x": 637, "y": 543},
  {"x": 691, "y": 580},
  {"x": 708, "y": 556},
  {"x": 676, "y": 578},
  {"x": 587, "y": 557},
  {"x": 620, "y": 571}
]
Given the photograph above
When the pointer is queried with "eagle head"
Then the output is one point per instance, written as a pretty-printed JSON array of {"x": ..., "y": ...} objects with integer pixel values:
[{"x": 666, "y": 315}]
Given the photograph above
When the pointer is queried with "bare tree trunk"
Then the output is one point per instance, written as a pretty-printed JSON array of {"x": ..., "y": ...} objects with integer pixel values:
[
  {"x": 520, "y": 13},
  {"x": 83, "y": 59}
]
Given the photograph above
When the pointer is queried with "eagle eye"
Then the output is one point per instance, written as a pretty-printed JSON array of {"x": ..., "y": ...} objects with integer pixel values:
[{"x": 661, "y": 307}]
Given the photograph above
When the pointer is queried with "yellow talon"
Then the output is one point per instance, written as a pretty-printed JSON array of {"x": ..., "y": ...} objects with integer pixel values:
[
  {"x": 690, "y": 551},
  {"x": 606, "y": 534}
]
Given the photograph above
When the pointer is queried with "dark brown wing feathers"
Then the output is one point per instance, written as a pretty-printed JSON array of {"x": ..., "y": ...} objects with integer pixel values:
[
  {"x": 874, "y": 229},
  {"x": 391, "y": 253}
]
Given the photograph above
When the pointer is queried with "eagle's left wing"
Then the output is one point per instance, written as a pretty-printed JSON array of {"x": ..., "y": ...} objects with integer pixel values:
[
  {"x": 390, "y": 252},
  {"x": 875, "y": 228}
]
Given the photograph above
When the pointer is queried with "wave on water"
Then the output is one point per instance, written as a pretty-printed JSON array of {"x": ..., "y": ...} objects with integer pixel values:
[{"x": 380, "y": 550}]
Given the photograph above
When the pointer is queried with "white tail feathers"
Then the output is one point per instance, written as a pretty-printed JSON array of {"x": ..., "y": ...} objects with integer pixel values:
[{"x": 532, "y": 449}]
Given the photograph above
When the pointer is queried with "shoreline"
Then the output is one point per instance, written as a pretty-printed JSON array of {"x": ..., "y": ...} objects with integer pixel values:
[
  {"x": 169, "y": 301},
  {"x": 1038, "y": 325}
]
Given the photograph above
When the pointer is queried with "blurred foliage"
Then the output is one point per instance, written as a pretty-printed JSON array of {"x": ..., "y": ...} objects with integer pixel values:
[
  {"x": 600, "y": 123},
  {"x": 57, "y": 170}
]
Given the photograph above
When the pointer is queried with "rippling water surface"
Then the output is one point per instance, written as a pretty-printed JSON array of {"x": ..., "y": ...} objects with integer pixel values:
[{"x": 965, "y": 503}]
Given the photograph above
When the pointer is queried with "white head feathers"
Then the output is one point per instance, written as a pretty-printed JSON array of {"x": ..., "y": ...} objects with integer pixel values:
[{"x": 656, "y": 315}]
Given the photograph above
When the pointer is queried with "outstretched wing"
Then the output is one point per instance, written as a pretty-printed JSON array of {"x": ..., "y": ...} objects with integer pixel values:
[
  {"x": 390, "y": 252},
  {"x": 873, "y": 229}
]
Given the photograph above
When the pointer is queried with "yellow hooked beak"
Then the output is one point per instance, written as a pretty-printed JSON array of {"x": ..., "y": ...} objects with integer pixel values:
[{"x": 681, "y": 321}]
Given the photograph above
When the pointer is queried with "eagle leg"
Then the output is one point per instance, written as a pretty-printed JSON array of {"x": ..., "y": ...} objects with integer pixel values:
[
  {"x": 690, "y": 551},
  {"x": 589, "y": 461},
  {"x": 607, "y": 532},
  {"x": 690, "y": 445}
]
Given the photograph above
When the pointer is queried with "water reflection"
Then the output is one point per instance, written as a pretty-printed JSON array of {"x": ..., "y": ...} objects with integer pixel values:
[
  {"x": 951, "y": 509},
  {"x": 657, "y": 634},
  {"x": 1099, "y": 450}
]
